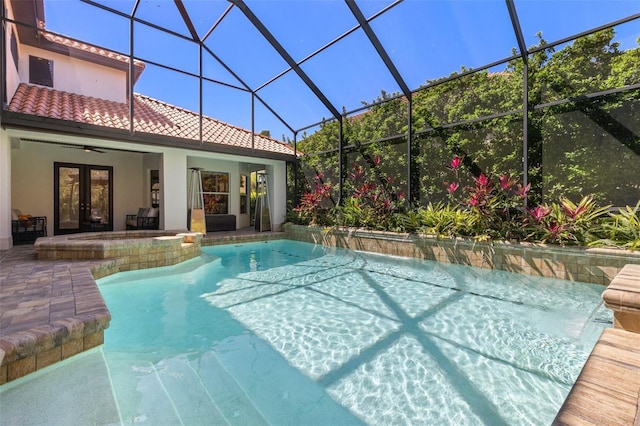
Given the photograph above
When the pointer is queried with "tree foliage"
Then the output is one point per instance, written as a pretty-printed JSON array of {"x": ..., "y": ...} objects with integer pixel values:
[{"x": 577, "y": 143}]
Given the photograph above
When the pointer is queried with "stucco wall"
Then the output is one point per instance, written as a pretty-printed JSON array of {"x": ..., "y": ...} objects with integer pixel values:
[
  {"x": 77, "y": 76},
  {"x": 32, "y": 186}
]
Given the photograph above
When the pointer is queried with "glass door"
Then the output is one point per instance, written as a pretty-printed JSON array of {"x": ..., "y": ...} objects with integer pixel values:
[{"x": 83, "y": 198}]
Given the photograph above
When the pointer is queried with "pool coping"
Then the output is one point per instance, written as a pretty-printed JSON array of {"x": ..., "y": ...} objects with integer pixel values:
[{"x": 607, "y": 390}]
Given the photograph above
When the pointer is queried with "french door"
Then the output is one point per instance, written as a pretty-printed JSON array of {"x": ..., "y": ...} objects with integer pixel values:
[{"x": 83, "y": 198}]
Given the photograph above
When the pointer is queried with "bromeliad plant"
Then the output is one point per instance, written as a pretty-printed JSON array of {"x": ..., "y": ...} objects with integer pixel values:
[
  {"x": 566, "y": 222},
  {"x": 496, "y": 206},
  {"x": 372, "y": 205},
  {"x": 487, "y": 209},
  {"x": 500, "y": 212},
  {"x": 311, "y": 210},
  {"x": 622, "y": 229}
]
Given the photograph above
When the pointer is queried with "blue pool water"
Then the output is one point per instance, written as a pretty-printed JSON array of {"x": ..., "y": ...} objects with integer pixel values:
[{"x": 289, "y": 333}]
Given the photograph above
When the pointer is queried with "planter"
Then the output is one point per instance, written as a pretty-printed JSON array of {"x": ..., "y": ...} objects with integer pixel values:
[{"x": 590, "y": 265}]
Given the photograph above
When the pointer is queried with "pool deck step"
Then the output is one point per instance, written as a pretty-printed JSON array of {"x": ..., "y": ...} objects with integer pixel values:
[{"x": 606, "y": 392}]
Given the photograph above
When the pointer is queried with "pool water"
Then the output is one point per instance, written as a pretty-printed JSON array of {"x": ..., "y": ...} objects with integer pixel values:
[{"x": 290, "y": 333}]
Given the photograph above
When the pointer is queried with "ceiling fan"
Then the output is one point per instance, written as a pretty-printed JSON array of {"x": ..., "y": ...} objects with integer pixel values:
[{"x": 87, "y": 148}]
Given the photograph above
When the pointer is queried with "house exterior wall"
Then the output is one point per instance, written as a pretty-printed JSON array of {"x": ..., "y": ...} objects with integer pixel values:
[
  {"x": 32, "y": 185},
  {"x": 27, "y": 171},
  {"x": 244, "y": 220},
  {"x": 27, "y": 168},
  {"x": 77, "y": 76}
]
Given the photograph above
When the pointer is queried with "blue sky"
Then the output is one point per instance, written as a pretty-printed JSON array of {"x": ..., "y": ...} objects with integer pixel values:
[{"x": 426, "y": 39}]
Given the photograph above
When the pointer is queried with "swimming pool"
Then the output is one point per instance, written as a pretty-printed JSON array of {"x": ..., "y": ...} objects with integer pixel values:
[{"x": 285, "y": 332}]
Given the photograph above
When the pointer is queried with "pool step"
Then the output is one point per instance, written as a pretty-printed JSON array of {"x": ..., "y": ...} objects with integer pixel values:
[
  {"x": 242, "y": 381},
  {"x": 203, "y": 392},
  {"x": 229, "y": 396},
  {"x": 173, "y": 392},
  {"x": 282, "y": 393}
]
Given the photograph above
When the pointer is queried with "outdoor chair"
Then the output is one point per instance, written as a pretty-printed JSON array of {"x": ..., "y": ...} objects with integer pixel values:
[
  {"x": 147, "y": 218},
  {"x": 26, "y": 228}
]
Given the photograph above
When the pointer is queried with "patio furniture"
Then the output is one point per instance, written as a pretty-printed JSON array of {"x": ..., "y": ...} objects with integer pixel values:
[
  {"x": 25, "y": 229},
  {"x": 220, "y": 222},
  {"x": 146, "y": 218}
]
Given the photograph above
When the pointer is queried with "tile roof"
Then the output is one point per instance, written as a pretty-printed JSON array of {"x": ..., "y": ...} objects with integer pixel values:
[
  {"x": 151, "y": 116},
  {"x": 67, "y": 42}
]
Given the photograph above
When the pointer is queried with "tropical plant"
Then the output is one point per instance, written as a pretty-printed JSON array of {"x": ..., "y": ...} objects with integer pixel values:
[
  {"x": 373, "y": 202},
  {"x": 572, "y": 139},
  {"x": 622, "y": 229},
  {"x": 497, "y": 207},
  {"x": 567, "y": 222},
  {"x": 310, "y": 210},
  {"x": 445, "y": 220}
]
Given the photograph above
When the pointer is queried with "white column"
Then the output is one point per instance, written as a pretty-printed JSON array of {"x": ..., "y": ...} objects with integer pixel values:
[
  {"x": 277, "y": 192},
  {"x": 6, "y": 241},
  {"x": 173, "y": 188}
]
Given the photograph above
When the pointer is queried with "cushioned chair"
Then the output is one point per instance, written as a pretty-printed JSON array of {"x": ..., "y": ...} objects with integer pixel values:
[
  {"x": 147, "y": 218},
  {"x": 26, "y": 228}
]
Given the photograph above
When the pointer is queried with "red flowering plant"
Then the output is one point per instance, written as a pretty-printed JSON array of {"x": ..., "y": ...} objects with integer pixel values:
[
  {"x": 372, "y": 204},
  {"x": 567, "y": 222},
  {"x": 311, "y": 209},
  {"x": 498, "y": 206}
]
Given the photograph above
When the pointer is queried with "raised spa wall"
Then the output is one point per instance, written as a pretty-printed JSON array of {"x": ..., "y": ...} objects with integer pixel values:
[{"x": 131, "y": 249}]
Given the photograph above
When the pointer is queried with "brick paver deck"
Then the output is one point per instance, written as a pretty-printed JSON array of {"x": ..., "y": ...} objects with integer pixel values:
[
  {"x": 52, "y": 309},
  {"x": 49, "y": 311}
]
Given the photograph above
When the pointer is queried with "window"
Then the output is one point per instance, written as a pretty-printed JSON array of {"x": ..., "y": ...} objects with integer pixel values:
[
  {"x": 215, "y": 192},
  {"x": 40, "y": 71}
]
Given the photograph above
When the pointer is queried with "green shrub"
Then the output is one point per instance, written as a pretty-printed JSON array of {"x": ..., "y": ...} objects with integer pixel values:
[{"x": 622, "y": 229}]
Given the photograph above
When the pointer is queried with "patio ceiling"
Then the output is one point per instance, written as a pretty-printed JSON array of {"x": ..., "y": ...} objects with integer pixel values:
[{"x": 288, "y": 65}]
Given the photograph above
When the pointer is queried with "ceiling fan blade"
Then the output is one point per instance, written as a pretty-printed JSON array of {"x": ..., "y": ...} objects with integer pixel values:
[
  {"x": 88, "y": 148},
  {"x": 85, "y": 148}
]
